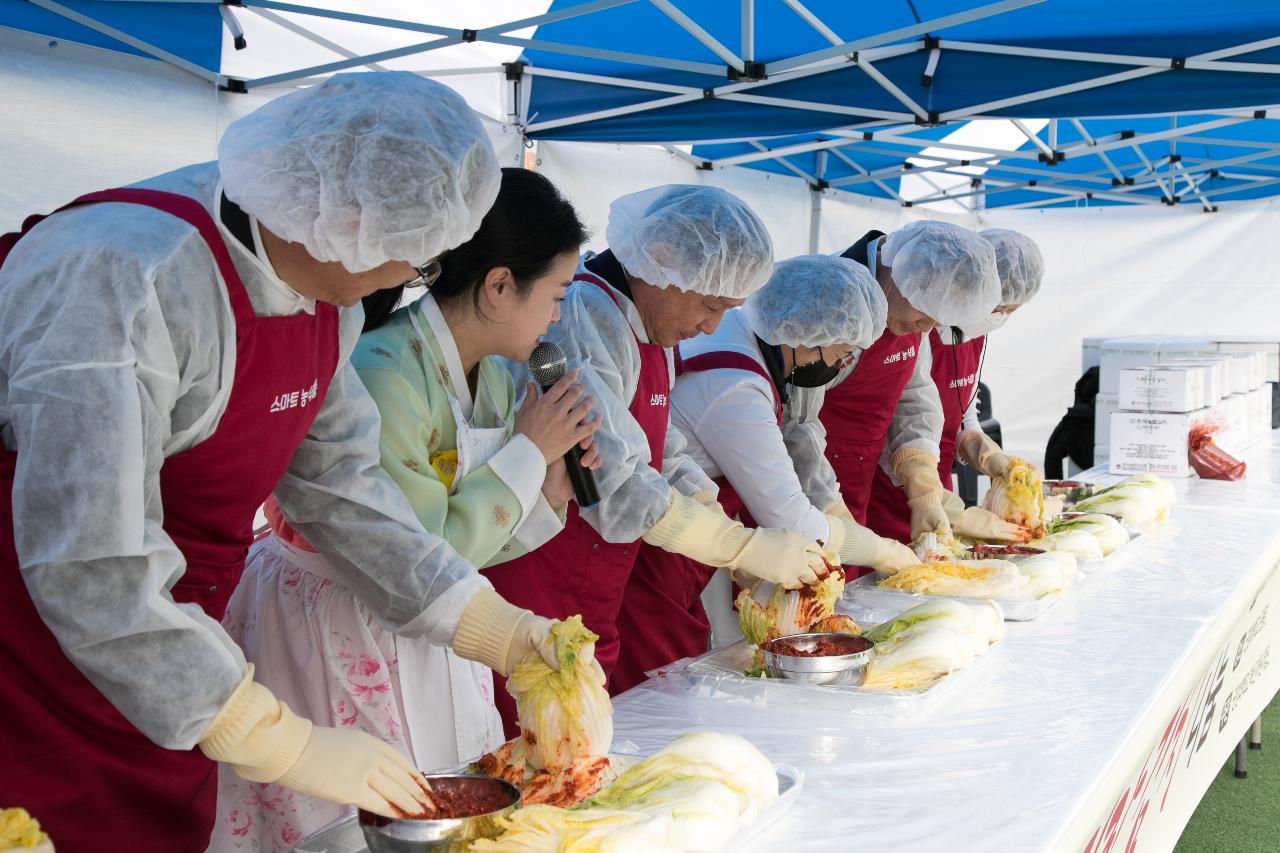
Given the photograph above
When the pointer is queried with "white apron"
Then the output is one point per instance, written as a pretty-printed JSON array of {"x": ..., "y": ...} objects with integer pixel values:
[
  {"x": 437, "y": 685},
  {"x": 321, "y": 652}
]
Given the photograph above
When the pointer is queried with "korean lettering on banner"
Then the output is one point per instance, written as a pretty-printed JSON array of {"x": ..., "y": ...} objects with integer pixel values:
[{"x": 1165, "y": 789}]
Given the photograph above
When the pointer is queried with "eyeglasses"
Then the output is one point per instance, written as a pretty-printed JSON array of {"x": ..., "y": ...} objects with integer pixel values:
[{"x": 426, "y": 275}]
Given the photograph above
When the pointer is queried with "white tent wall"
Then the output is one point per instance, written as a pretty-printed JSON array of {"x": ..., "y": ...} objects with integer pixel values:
[
  {"x": 77, "y": 119},
  {"x": 1125, "y": 271},
  {"x": 592, "y": 175}
]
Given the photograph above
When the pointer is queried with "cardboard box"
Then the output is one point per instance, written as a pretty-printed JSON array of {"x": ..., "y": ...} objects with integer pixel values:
[
  {"x": 1268, "y": 345},
  {"x": 1151, "y": 442},
  {"x": 1241, "y": 372},
  {"x": 1091, "y": 353},
  {"x": 1216, "y": 378},
  {"x": 1162, "y": 389},
  {"x": 1119, "y": 353},
  {"x": 1103, "y": 406}
]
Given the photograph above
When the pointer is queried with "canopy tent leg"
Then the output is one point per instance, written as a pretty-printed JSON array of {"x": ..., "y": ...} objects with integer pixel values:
[
  {"x": 815, "y": 205},
  {"x": 1255, "y": 734},
  {"x": 1242, "y": 758}
]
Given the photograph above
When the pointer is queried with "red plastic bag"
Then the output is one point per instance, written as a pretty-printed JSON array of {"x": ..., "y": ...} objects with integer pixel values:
[{"x": 1209, "y": 460}]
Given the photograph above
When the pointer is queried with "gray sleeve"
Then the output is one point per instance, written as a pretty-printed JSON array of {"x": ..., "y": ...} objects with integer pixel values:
[
  {"x": 679, "y": 469},
  {"x": 917, "y": 420},
  {"x": 337, "y": 496},
  {"x": 600, "y": 345},
  {"x": 806, "y": 443},
  {"x": 91, "y": 374}
]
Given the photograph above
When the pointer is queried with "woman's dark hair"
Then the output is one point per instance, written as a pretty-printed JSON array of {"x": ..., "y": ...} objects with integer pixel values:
[{"x": 529, "y": 225}]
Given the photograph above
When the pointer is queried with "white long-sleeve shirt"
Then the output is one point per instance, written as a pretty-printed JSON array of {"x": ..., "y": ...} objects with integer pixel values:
[
  {"x": 117, "y": 350},
  {"x": 917, "y": 420},
  {"x": 598, "y": 333},
  {"x": 729, "y": 422}
]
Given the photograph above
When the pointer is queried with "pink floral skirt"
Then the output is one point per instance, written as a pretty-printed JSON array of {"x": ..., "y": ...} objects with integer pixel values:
[{"x": 322, "y": 653}]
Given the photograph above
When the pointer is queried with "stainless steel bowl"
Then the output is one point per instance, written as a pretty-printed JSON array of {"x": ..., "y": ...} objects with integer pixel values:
[
  {"x": 387, "y": 835},
  {"x": 816, "y": 670}
]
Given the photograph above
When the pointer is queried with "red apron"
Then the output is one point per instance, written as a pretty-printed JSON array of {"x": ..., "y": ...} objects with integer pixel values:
[
  {"x": 66, "y": 754},
  {"x": 578, "y": 571},
  {"x": 857, "y": 413},
  {"x": 955, "y": 372},
  {"x": 665, "y": 589}
]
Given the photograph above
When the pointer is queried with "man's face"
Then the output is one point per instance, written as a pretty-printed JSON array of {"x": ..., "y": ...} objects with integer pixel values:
[
  {"x": 671, "y": 315},
  {"x": 904, "y": 319}
]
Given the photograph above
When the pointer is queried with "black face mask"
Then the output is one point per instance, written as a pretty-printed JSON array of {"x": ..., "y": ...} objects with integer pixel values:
[{"x": 813, "y": 375}]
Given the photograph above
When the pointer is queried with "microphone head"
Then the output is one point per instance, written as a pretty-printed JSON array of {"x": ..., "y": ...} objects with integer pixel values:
[{"x": 547, "y": 364}]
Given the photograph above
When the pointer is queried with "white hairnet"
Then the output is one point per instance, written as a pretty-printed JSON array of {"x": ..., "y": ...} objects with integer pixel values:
[
  {"x": 818, "y": 301},
  {"x": 1019, "y": 263},
  {"x": 946, "y": 271},
  {"x": 364, "y": 169},
  {"x": 696, "y": 238}
]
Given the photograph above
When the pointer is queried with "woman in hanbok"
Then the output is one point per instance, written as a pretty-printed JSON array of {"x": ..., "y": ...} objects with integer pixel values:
[{"x": 485, "y": 475}]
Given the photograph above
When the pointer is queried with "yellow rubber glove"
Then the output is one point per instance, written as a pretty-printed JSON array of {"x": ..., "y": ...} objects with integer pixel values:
[
  {"x": 708, "y": 499},
  {"x": 496, "y": 633},
  {"x": 975, "y": 522},
  {"x": 981, "y": 453},
  {"x": 700, "y": 533},
  {"x": 841, "y": 510},
  {"x": 264, "y": 741},
  {"x": 918, "y": 471},
  {"x": 858, "y": 546}
]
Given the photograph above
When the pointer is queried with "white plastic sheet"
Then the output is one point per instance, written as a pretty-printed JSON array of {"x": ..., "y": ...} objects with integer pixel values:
[
  {"x": 717, "y": 675},
  {"x": 1033, "y": 757}
]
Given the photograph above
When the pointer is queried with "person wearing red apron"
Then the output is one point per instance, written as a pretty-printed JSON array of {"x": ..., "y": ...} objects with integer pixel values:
[
  {"x": 1021, "y": 268},
  {"x": 954, "y": 370},
  {"x": 956, "y": 355},
  {"x": 728, "y": 404},
  {"x": 617, "y": 323},
  {"x": 931, "y": 273},
  {"x": 159, "y": 380}
]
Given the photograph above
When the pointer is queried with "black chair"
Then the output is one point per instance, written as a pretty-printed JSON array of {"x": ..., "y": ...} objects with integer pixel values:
[{"x": 966, "y": 478}]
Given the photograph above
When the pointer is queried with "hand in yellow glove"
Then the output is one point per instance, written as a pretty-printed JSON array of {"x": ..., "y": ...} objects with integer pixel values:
[
  {"x": 264, "y": 741},
  {"x": 977, "y": 523},
  {"x": 708, "y": 499},
  {"x": 496, "y": 633},
  {"x": 928, "y": 500},
  {"x": 893, "y": 556},
  {"x": 840, "y": 509},
  {"x": 978, "y": 451},
  {"x": 858, "y": 546},
  {"x": 702, "y": 534}
]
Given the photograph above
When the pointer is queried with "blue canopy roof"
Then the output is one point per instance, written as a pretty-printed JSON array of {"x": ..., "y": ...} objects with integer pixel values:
[
  {"x": 1033, "y": 59},
  {"x": 189, "y": 31},
  {"x": 846, "y": 92},
  {"x": 1198, "y": 159}
]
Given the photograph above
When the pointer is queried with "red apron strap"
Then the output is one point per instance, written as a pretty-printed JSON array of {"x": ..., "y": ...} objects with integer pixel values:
[
  {"x": 183, "y": 207},
  {"x": 732, "y": 361}
]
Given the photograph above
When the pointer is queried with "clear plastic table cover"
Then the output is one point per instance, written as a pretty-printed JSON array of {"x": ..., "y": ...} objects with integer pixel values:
[
  {"x": 1013, "y": 761},
  {"x": 718, "y": 675},
  {"x": 344, "y": 836},
  {"x": 866, "y": 593}
]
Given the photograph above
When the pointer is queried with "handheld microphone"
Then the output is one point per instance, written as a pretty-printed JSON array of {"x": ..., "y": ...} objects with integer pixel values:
[{"x": 548, "y": 365}]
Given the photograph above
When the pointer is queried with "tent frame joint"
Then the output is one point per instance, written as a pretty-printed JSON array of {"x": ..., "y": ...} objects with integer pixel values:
[
  {"x": 933, "y": 120},
  {"x": 752, "y": 72},
  {"x": 514, "y": 71},
  {"x": 469, "y": 36},
  {"x": 235, "y": 85}
]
